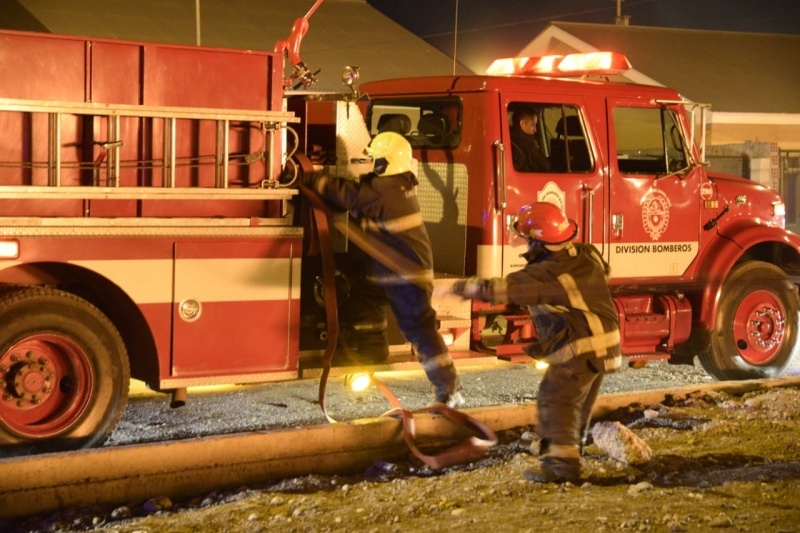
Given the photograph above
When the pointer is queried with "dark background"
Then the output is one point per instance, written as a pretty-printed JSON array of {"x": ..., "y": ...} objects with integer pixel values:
[{"x": 488, "y": 29}]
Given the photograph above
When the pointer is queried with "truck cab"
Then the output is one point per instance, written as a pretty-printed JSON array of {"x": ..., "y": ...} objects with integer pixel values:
[{"x": 701, "y": 264}]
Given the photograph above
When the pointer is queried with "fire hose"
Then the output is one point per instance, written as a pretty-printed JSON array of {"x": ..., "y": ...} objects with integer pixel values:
[{"x": 323, "y": 217}]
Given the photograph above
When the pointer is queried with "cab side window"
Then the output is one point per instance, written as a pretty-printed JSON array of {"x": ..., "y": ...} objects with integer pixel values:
[
  {"x": 548, "y": 138},
  {"x": 431, "y": 123},
  {"x": 648, "y": 141}
]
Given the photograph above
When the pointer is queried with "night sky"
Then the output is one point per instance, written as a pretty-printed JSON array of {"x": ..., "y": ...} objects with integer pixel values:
[{"x": 488, "y": 29}]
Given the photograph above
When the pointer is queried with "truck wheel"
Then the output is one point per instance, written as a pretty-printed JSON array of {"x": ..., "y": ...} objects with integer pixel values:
[
  {"x": 64, "y": 373},
  {"x": 756, "y": 328}
]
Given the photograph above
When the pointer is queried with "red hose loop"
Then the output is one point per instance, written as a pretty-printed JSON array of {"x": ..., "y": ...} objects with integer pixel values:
[{"x": 469, "y": 449}]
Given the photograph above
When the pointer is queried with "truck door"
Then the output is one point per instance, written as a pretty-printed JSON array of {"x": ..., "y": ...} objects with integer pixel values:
[
  {"x": 654, "y": 216},
  {"x": 567, "y": 171},
  {"x": 235, "y": 306}
]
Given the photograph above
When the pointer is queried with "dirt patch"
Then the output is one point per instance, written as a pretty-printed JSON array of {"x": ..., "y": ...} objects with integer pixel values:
[{"x": 718, "y": 462}]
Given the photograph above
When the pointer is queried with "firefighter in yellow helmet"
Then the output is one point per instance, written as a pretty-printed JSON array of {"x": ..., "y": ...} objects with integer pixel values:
[
  {"x": 385, "y": 202},
  {"x": 565, "y": 289}
]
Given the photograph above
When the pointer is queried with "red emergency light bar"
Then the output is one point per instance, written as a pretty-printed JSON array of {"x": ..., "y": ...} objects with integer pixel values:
[{"x": 592, "y": 63}]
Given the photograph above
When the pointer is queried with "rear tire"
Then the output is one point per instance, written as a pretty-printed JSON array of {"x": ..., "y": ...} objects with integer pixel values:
[
  {"x": 756, "y": 327},
  {"x": 64, "y": 373}
]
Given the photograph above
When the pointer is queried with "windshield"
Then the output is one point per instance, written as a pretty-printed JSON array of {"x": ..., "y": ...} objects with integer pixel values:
[{"x": 425, "y": 122}]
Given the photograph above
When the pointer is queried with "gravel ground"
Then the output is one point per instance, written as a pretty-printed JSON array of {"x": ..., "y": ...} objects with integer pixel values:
[
  {"x": 719, "y": 462},
  {"x": 149, "y": 418}
]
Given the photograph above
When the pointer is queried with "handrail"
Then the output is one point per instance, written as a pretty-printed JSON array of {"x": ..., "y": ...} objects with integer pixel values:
[
  {"x": 500, "y": 178},
  {"x": 88, "y": 192},
  {"x": 588, "y": 198},
  {"x": 132, "y": 110}
]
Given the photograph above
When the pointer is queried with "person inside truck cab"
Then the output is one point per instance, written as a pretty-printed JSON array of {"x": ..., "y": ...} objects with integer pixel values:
[{"x": 526, "y": 153}]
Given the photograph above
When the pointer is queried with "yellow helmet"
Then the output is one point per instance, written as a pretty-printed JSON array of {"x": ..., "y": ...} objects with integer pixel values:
[{"x": 390, "y": 152}]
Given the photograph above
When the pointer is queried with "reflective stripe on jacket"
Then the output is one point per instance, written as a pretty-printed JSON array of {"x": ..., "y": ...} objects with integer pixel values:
[
  {"x": 388, "y": 208},
  {"x": 571, "y": 307}
]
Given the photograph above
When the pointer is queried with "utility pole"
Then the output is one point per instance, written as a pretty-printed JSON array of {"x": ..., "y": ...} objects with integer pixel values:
[
  {"x": 455, "y": 39},
  {"x": 197, "y": 19},
  {"x": 621, "y": 20}
]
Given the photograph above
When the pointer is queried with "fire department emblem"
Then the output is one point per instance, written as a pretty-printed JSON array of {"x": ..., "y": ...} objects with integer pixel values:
[
  {"x": 655, "y": 213},
  {"x": 706, "y": 191},
  {"x": 552, "y": 193}
]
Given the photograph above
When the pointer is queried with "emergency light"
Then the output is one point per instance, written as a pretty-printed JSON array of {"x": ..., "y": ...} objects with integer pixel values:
[{"x": 592, "y": 63}]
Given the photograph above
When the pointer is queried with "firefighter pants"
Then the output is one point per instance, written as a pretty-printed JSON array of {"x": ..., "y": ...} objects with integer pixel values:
[
  {"x": 566, "y": 397},
  {"x": 411, "y": 305}
]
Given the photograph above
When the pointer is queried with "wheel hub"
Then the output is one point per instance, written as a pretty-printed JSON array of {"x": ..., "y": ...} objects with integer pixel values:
[
  {"x": 32, "y": 382},
  {"x": 27, "y": 382},
  {"x": 759, "y": 327},
  {"x": 766, "y": 328}
]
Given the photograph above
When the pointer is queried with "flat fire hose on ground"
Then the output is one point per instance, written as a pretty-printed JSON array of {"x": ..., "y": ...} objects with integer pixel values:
[{"x": 467, "y": 450}]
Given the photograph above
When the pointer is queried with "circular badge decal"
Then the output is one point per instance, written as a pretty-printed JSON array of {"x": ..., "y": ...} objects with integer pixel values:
[
  {"x": 706, "y": 191},
  {"x": 655, "y": 213}
]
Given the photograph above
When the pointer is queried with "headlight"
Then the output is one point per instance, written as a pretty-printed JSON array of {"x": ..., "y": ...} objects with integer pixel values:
[{"x": 778, "y": 209}]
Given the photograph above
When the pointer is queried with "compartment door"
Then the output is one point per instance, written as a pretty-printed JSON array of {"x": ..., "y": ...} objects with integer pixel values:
[{"x": 236, "y": 306}]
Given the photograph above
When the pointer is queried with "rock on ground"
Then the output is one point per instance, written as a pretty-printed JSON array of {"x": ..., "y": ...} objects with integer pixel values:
[{"x": 620, "y": 443}]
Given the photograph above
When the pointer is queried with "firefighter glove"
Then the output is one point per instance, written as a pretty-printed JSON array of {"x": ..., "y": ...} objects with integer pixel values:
[
  {"x": 317, "y": 182},
  {"x": 470, "y": 288}
]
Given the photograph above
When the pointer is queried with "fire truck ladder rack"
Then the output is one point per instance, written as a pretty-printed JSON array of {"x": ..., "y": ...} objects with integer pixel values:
[{"x": 271, "y": 121}]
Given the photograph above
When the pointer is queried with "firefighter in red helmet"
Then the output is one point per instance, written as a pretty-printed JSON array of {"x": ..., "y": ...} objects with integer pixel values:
[
  {"x": 564, "y": 286},
  {"x": 385, "y": 202}
]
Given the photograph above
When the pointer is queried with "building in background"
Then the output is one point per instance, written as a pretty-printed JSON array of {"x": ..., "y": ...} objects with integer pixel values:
[{"x": 341, "y": 32}]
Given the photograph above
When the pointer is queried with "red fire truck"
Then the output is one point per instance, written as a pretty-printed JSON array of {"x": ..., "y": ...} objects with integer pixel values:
[
  {"x": 150, "y": 229},
  {"x": 701, "y": 265}
]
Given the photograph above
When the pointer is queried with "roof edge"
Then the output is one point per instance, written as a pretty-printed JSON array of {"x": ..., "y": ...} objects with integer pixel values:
[
  {"x": 738, "y": 118},
  {"x": 590, "y": 25}
]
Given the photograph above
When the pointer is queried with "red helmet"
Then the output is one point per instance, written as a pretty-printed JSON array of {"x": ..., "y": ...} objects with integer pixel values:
[{"x": 544, "y": 222}]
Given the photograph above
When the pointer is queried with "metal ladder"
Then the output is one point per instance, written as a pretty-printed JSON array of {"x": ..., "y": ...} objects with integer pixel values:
[{"x": 271, "y": 121}]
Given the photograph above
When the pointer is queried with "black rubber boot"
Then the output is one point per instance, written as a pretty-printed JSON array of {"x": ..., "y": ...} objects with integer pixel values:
[{"x": 555, "y": 470}]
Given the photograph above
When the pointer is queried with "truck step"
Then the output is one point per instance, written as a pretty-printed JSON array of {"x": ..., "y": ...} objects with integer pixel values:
[
  {"x": 453, "y": 322},
  {"x": 653, "y": 356},
  {"x": 514, "y": 353},
  {"x": 311, "y": 366}
]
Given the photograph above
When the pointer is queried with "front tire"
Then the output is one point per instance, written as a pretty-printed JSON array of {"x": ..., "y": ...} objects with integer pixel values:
[
  {"x": 756, "y": 326},
  {"x": 64, "y": 373}
]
